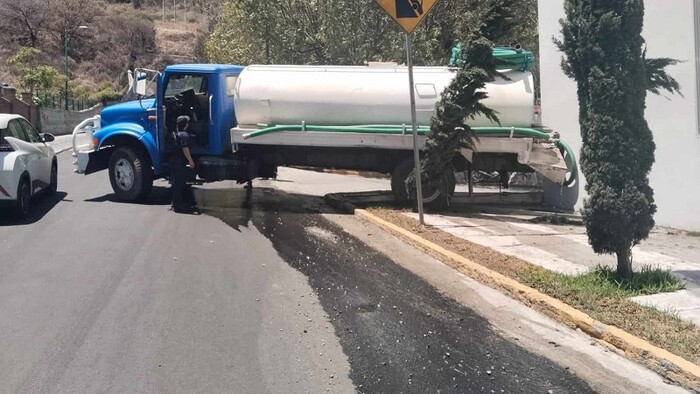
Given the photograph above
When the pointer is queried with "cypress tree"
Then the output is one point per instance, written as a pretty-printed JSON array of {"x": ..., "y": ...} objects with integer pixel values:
[
  {"x": 461, "y": 100},
  {"x": 604, "y": 52}
]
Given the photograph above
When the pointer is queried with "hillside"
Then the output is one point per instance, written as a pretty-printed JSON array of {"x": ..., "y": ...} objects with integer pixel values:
[{"x": 118, "y": 37}]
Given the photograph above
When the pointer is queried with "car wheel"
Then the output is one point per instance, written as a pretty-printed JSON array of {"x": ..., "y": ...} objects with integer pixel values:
[
  {"x": 24, "y": 198},
  {"x": 130, "y": 174},
  {"x": 53, "y": 186}
]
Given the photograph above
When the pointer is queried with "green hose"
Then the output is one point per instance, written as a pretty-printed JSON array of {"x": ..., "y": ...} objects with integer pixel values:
[
  {"x": 513, "y": 58},
  {"x": 506, "y": 58},
  {"x": 564, "y": 148}
]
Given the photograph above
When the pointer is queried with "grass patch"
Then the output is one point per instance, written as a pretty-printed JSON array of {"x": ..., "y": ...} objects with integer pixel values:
[
  {"x": 693, "y": 233},
  {"x": 600, "y": 293},
  {"x": 605, "y": 282}
]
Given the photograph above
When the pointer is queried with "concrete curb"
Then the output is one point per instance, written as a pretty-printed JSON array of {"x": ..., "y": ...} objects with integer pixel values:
[{"x": 670, "y": 366}]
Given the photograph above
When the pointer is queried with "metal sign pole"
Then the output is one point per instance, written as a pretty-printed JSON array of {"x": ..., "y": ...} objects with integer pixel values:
[{"x": 416, "y": 154}]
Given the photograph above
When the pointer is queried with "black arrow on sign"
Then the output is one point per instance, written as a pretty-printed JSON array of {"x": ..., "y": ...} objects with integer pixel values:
[{"x": 409, "y": 8}]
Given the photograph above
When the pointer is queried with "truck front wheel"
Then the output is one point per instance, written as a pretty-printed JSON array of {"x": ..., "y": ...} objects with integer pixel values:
[{"x": 130, "y": 174}]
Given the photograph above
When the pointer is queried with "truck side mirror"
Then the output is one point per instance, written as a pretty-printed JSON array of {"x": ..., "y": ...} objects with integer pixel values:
[{"x": 140, "y": 82}]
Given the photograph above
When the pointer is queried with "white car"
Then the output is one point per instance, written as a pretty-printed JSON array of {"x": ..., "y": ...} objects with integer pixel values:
[{"x": 27, "y": 165}]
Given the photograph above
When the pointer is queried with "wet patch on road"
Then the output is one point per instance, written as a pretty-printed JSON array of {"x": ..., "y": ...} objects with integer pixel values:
[{"x": 400, "y": 334}]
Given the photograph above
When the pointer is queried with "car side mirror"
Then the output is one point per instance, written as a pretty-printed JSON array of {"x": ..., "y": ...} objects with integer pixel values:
[{"x": 47, "y": 137}]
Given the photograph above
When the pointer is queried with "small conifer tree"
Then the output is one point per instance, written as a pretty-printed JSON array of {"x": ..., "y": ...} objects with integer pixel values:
[{"x": 604, "y": 48}]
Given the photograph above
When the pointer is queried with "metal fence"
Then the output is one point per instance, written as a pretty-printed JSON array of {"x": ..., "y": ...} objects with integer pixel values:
[{"x": 58, "y": 102}]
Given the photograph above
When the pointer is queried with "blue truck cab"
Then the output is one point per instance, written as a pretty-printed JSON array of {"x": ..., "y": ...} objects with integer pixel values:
[{"x": 130, "y": 139}]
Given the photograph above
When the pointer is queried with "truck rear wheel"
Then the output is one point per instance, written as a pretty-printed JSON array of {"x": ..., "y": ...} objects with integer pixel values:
[
  {"x": 398, "y": 180},
  {"x": 435, "y": 197},
  {"x": 130, "y": 174}
]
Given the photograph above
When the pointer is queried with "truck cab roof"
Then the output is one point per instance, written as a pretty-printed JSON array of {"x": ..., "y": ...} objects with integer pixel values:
[{"x": 205, "y": 68}]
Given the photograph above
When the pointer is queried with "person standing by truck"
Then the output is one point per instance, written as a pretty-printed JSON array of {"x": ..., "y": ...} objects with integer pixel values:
[{"x": 181, "y": 167}]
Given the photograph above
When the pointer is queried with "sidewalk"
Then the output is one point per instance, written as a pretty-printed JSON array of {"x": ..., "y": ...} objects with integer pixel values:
[
  {"x": 63, "y": 143},
  {"x": 565, "y": 249},
  {"x": 513, "y": 229}
]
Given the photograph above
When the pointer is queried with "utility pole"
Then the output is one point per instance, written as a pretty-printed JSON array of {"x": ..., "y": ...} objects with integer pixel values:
[
  {"x": 65, "y": 65},
  {"x": 416, "y": 153},
  {"x": 65, "y": 60}
]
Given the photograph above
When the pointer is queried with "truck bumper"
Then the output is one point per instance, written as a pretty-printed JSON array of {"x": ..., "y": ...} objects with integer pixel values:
[{"x": 92, "y": 161}]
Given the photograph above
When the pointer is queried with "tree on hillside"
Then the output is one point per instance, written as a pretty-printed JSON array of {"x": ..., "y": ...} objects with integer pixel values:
[
  {"x": 124, "y": 41},
  {"x": 24, "y": 19},
  {"x": 65, "y": 17},
  {"x": 293, "y": 32},
  {"x": 41, "y": 80},
  {"x": 334, "y": 32},
  {"x": 237, "y": 38},
  {"x": 604, "y": 52}
]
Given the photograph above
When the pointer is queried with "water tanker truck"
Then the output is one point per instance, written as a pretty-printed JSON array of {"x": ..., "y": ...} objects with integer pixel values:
[{"x": 247, "y": 121}]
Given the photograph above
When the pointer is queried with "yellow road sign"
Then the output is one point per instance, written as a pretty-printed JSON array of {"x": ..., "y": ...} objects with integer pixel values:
[{"x": 407, "y": 13}]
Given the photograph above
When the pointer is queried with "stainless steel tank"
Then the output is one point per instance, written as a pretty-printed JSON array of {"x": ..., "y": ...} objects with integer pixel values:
[{"x": 344, "y": 95}]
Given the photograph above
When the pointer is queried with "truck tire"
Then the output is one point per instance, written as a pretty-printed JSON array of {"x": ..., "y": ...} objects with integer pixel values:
[
  {"x": 398, "y": 180},
  {"x": 435, "y": 198},
  {"x": 451, "y": 182},
  {"x": 438, "y": 197},
  {"x": 130, "y": 174}
]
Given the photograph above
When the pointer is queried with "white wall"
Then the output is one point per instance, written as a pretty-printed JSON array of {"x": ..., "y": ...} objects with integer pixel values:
[
  {"x": 61, "y": 122},
  {"x": 669, "y": 32}
]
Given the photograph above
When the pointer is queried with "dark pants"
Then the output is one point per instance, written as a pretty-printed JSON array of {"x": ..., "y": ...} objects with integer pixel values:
[{"x": 180, "y": 175}]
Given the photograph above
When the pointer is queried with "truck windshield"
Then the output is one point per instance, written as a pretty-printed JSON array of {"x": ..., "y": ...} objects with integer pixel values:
[{"x": 180, "y": 83}]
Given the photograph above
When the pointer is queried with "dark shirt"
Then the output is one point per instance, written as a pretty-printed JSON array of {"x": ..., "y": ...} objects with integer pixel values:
[{"x": 177, "y": 141}]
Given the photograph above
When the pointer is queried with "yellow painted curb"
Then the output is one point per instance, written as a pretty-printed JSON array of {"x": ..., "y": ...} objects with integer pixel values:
[{"x": 668, "y": 365}]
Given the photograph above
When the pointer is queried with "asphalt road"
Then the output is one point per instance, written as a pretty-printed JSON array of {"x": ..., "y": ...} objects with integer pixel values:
[{"x": 262, "y": 293}]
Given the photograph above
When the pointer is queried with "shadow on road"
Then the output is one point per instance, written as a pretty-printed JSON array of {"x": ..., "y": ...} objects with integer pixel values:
[
  {"x": 160, "y": 195},
  {"x": 236, "y": 207},
  {"x": 41, "y": 205}
]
